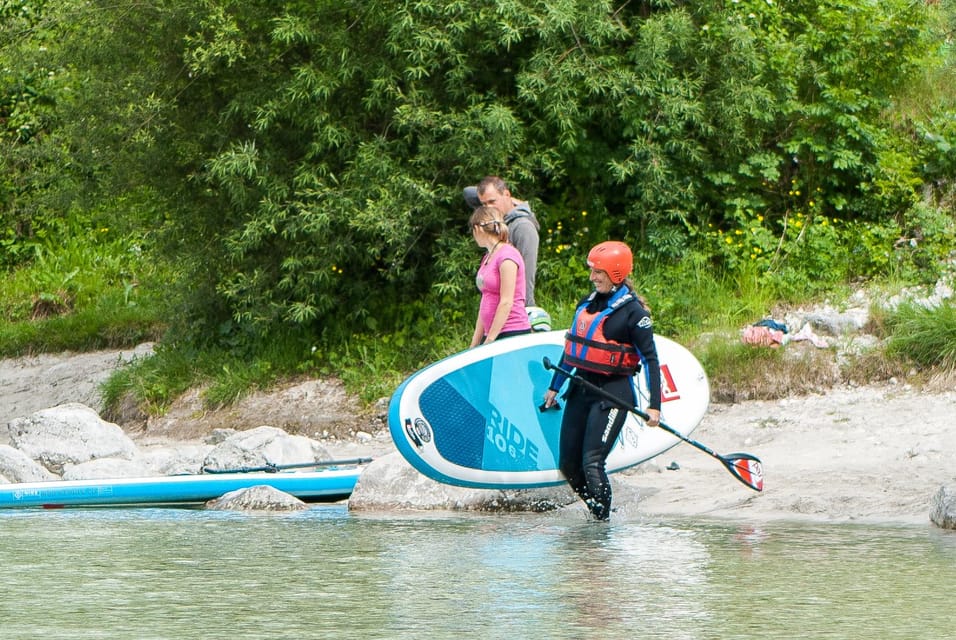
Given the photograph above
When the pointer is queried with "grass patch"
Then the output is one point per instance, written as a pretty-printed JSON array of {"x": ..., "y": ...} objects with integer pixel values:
[
  {"x": 738, "y": 371},
  {"x": 370, "y": 366},
  {"x": 98, "y": 327},
  {"x": 923, "y": 335},
  {"x": 154, "y": 382},
  {"x": 83, "y": 295},
  {"x": 873, "y": 365}
]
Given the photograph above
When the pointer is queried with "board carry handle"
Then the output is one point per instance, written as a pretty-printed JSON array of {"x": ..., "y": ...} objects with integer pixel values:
[
  {"x": 745, "y": 467},
  {"x": 556, "y": 406},
  {"x": 275, "y": 468}
]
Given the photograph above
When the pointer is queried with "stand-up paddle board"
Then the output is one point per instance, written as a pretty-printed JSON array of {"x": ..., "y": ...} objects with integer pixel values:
[
  {"x": 327, "y": 485},
  {"x": 473, "y": 419}
]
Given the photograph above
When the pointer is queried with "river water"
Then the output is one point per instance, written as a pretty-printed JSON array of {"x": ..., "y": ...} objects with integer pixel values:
[{"x": 327, "y": 573}]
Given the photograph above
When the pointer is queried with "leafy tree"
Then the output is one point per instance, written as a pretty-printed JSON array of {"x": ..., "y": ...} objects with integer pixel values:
[
  {"x": 33, "y": 186},
  {"x": 305, "y": 159}
]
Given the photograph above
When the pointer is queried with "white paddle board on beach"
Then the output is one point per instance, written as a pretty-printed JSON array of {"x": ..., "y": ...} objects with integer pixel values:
[{"x": 473, "y": 419}]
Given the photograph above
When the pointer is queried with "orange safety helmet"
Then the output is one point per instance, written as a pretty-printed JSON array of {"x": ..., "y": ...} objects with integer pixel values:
[{"x": 612, "y": 257}]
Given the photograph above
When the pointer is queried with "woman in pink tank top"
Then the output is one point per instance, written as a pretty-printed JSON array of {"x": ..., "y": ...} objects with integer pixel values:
[{"x": 500, "y": 279}]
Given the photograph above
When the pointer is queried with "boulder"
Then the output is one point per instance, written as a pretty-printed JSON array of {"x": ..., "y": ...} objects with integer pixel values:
[
  {"x": 16, "y": 466},
  {"x": 175, "y": 460},
  {"x": 257, "y": 498},
  {"x": 943, "y": 511},
  {"x": 69, "y": 434},
  {"x": 263, "y": 446},
  {"x": 831, "y": 321},
  {"x": 390, "y": 483},
  {"x": 103, "y": 468}
]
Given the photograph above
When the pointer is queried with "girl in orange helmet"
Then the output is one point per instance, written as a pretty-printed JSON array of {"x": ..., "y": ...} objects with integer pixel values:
[{"x": 610, "y": 340}]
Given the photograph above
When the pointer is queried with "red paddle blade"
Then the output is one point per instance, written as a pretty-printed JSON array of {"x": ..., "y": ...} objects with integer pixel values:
[{"x": 746, "y": 468}]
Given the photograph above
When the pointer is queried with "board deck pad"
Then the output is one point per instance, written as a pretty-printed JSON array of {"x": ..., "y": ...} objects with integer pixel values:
[
  {"x": 461, "y": 443},
  {"x": 473, "y": 419}
]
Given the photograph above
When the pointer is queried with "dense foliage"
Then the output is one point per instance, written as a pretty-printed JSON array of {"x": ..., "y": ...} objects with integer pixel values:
[{"x": 301, "y": 163}]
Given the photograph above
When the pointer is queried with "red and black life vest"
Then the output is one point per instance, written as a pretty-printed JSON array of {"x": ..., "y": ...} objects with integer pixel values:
[{"x": 586, "y": 347}]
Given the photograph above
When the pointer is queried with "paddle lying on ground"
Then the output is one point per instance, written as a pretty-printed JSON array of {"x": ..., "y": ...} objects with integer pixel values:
[
  {"x": 743, "y": 466},
  {"x": 273, "y": 468}
]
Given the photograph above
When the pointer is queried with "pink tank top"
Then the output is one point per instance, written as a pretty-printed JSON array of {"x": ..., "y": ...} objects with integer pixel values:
[{"x": 488, "y": 280}]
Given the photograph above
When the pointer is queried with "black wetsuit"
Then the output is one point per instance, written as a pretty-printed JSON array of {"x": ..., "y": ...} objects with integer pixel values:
[{"x": 591, "y": 424}]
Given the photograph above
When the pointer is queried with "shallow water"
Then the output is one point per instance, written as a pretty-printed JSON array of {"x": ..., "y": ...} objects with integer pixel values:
[{"x": 324, "y": 573}]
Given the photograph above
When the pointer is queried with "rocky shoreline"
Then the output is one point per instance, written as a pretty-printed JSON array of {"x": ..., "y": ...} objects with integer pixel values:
[{"x": 879, "y": 453}]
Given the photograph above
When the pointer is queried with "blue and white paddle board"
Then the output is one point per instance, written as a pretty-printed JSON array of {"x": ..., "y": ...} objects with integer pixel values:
[
  {"x": 326, "y": 485},
  {"x": 473, "y": 419}
]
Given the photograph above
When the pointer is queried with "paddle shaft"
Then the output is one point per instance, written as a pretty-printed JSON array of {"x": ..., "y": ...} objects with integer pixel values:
[
  {"x": 726, "y": 461},
  {"x": 272, "y": 468},
  {"x": 613, "y": 398}
]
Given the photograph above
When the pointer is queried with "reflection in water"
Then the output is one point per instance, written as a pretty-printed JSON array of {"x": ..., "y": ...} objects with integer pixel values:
[
  {"x": 155, "y": 573},
  {"x": 625, "y": 577}
]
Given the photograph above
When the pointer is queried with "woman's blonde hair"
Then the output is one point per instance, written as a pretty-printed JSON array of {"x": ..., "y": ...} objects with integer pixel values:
[
  {"x": 630, "y": 285},
  {"x": 488, "y": 218}
]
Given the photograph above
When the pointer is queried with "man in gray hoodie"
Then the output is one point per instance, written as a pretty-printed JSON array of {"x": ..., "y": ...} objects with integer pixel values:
[{"x": 522, "y": 225}]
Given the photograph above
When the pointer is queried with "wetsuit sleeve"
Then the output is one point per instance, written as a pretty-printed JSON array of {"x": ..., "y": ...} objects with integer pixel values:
[
  {"x": 642, "y": 337},
  {"x": 558, "y": 379}
]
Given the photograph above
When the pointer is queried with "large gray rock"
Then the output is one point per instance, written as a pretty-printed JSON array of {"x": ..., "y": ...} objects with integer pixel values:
[
  {"x": 103, "y": 468},
  {"x": 257, "y": 498},
  {"x": 16, "y": 466},
  {"x": 831, "y": 321},
  {"x": 175, "y": 460},
  {"x": 264, "y": 446},
  {"x": 390, "y": 483},
  {"x": 943, "y": 511},
  {"x": 67, "y": 435}
]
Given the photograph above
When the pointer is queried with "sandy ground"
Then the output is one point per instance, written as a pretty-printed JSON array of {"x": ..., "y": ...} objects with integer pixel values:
[
  {"x": 873, "y": 454},
  {"x": 42, "y": 381},
  {"x": 869, "y": 454}
]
